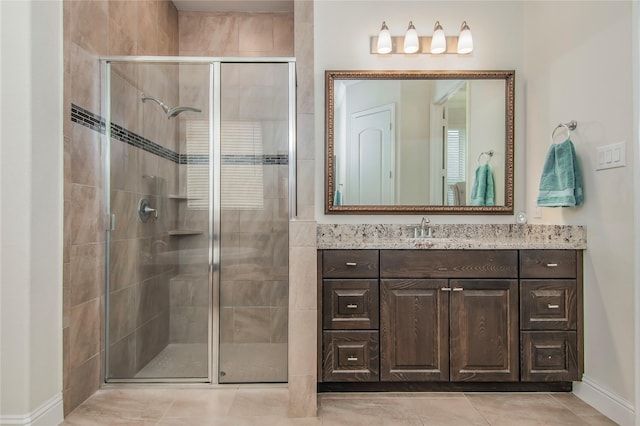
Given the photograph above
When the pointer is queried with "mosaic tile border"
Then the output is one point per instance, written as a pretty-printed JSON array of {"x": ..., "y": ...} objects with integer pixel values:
[{"x": 97, "y": 123}]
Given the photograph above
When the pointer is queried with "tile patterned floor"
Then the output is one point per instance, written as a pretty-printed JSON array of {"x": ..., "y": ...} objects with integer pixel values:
[{"x": 244, "y": 406}]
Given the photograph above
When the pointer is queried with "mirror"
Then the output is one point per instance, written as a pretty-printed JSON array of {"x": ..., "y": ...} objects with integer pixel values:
[{"x": 419, "y": 142}]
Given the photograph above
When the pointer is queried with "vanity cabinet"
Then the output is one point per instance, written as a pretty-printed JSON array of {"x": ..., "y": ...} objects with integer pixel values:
[
  {"x": 550, "y": 314},
  {"x": 438, "y": 326},
  {"x": 350, "y": 316},
  {"x": 393, "y": 316}
]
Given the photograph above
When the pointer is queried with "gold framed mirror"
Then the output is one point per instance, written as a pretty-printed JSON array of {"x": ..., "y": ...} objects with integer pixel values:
[{"x": 412, "y": 142}]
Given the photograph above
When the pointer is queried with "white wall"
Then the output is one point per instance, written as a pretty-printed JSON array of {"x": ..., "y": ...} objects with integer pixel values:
[
  {"x": 342, "y": 30},
  {"x": 412, "y": 144},
  {"x": 31, "y": 212},
  {"x": 578, "y": 67},
  {"x": 484, "y": 107}
]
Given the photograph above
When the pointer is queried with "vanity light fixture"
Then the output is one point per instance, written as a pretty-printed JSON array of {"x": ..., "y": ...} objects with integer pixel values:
[
  {"x": 411, "y": 42},
  {"x": 438, "y": 40},
  {"x": 384, "y": 39},
  {"x": 465, "y": 41}
]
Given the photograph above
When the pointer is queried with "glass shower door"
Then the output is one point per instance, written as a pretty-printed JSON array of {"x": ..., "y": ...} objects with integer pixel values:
[
  {"x": 158, "y": 299},
  {"x": 254, "y": 217}
]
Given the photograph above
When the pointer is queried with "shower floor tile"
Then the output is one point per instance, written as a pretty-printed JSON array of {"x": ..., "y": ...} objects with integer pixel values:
[
  {"x": 178, "y": 360},
  {"x": 253, "y": 362}
]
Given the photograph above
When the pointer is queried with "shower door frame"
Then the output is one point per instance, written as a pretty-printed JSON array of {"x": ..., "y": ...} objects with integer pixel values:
[{"x": 214, "y": 207}]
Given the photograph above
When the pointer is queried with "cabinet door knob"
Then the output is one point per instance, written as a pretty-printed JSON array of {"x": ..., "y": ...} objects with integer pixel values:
[
  {"x": 445, "y": 289},
  {"x": 458, "y": 289},
  {"x": 550, "y": 306},
  {"x": 352, "y": 264},
  {"x": 352, "y": 358},
  {"x": 551, "y": 265},
  {"x": 352, "y": 306}
]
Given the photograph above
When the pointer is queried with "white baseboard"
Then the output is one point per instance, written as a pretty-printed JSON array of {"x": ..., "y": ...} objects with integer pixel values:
[
  {"x": 611, "y": 405},
  {"x": 50, "y": 413}
]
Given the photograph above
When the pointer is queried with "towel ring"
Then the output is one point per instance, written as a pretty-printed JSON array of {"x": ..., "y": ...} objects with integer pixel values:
[
  {"x": 487, "y": 154},
  {"x": 570, "y": 126}
]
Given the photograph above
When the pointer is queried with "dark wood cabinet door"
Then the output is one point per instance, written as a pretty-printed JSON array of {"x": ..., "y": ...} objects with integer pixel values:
[
  {"x": 484, "y": 330},
  {"x": 350, "y": 356},
  {"x": 448, "y": 264},
  {"x": 549, "y": 356},
  {"x": 414, "y": 330},
  {"x": 548, "y": 264},
  {"x": 350, "y": 264},
  {"x": 350, "y": 304},
  {"x": 548, "y": 305}
]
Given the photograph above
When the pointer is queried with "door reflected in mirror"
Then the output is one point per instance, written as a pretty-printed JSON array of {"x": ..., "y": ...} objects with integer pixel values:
[{"x": 419, "y": 141}]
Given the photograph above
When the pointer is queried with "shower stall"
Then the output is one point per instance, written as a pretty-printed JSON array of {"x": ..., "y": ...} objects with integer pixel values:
[{"x": 200, "y": 174}]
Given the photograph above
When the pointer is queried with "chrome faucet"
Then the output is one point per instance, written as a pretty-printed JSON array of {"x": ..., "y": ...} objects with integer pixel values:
[{"x": 425, "y": 229}]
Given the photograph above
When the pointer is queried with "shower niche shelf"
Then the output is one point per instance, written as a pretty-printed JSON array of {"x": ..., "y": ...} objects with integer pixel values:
[
  {"x": 181, "y": 197},
  {"x": 184, "y": 232}
]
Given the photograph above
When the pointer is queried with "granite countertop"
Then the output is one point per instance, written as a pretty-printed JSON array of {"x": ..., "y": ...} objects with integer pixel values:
[{"x": 452, "y": 237}]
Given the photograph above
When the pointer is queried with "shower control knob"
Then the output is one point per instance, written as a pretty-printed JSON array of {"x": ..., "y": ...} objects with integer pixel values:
[{"x": 145, "y": 210}]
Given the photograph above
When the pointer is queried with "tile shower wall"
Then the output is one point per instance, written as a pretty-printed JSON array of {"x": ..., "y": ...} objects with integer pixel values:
[
  {"x": 254, "y": 246},
  {"x": 236, "y": 34},
  {"x": 254, "y": 240},
  {"x": 189, "y": 315},
  {"x": 91, "y": 29},
  {"x": 143, "y": 256}
]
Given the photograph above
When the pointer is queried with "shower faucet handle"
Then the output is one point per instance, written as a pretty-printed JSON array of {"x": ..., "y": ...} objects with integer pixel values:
[
  {"x": 150, "y": 210},
  {"x": 145, "y": 210}
]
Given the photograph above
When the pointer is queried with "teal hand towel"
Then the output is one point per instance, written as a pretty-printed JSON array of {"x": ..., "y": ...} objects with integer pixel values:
[
  {"x": 482, "y": 193},
  {"x": 561, "y": 180}
]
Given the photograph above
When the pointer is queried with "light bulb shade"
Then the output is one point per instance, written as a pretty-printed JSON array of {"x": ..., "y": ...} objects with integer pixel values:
[
  {"x": 438, "y": 40},
  {"x": 411, "y": 43},
  {"x": 465, "y": 41},
  {"x": 384, "y": 39}
]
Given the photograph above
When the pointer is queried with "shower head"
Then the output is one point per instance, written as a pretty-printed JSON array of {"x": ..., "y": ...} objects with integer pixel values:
[
  {"x": 180, "y": 109},
  {"x": 170, "y": 112},
  {"x": 159, "y": 102}
]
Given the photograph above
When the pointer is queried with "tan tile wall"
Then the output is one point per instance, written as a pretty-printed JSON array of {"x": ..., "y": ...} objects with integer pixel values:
[
  {"x": 92, "y": 29},
  {"x": 236, "y": 34},
  {"x": 303, "y": 311},
  {"x": 252, "y": 300},
  {"x": 143, "y": 256}
]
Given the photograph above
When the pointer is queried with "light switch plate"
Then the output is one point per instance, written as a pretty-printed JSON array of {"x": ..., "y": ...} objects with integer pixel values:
[
  {"x": 537, "y": 212},
  {"x": 611, "y": 156}
]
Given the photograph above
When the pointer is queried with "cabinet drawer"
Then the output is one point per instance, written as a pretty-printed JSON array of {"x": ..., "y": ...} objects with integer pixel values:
[
  {"x": 448, "y": 264},
  {"x": 350, "y": 304},
  {"x": 547, "y": 264},
  {"x": 549, "y": 356},
  {"x": 548, "y": 305},
  {"x": 350, "y": 263},
  {"x": 350, "y": 356}
]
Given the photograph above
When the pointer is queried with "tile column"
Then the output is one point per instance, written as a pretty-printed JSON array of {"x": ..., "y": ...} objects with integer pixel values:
[{"x": 302, "y": 233}]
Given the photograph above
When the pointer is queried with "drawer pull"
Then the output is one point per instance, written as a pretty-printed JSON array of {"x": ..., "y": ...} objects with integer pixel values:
[
  {"x": 352, "y": 358},
  {"x": 352, "y": 306},
  {"x": 550, "y": 306},
  {"x": 352, "y": 264},
  {"x": 551, "y": 265},
  {"x": 458, "y": 289},
  {"x": 445, "y": 289},
  {"x": 549, "y": 356}
]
